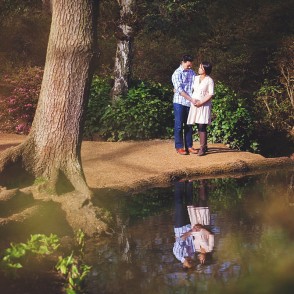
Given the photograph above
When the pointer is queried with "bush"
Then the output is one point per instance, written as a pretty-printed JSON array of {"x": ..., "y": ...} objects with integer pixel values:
[
  {"x": 144, "y": 113},
  {"x": 18, "y": 109},
  {"x": 275, "y": 116},
  {"x": 272, "y": 105},
  {"x": 232, "y": 123},
  {"x": 98, "y": 101}
]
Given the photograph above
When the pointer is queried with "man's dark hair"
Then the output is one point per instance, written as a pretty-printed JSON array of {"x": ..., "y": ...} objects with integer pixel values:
[
  {"x": 207, "y": 67},
  {"x": 187, "y": 57}
]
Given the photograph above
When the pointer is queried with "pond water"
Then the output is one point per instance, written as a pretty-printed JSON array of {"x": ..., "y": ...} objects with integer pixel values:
[
  {"x": 251, "y": 218},
  {"x": 252, "y": 221}
]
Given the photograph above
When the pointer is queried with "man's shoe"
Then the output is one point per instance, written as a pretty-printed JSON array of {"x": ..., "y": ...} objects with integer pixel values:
[
  {"x": 181, "y": 151},
  {"x": 192, "y": 150}
]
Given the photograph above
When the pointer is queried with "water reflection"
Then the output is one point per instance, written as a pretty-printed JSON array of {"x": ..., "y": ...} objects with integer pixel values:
[
  {"x": 251, "y": 221},
  {"x": 193, "y": 233},
  {"x": 183, "y": 247}
]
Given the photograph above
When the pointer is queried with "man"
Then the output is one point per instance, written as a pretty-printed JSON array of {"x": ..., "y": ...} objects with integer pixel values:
[
  {"x": 183, "y": 250},
  {"x": 182, "y": 80}
]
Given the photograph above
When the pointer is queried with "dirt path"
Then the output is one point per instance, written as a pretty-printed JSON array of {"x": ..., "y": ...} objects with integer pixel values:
[{"x": 136, "y": 165}]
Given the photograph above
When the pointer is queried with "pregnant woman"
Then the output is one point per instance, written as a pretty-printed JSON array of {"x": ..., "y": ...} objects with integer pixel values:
[{"x": 200, "y": 112}]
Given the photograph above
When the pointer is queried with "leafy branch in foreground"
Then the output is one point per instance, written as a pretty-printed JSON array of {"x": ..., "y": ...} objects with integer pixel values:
[
  {"x": 70, "y": 267},
  {"x": 74, "y": 272},
  {"x": 38, "y": 244}
]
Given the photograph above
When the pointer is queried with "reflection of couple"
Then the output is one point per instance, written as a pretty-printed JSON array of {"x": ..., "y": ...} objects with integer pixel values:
[{"x": 190, "y": 221}]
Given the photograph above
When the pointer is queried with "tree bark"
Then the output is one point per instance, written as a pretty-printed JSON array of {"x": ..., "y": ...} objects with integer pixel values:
[
  {"x": 123, "y": 58},
  {"x": 56, "y": 133},
  {"x": 53, "y": 146}
]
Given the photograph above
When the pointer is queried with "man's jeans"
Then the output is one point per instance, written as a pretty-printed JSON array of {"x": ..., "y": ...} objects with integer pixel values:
[{"x": 181, "y": 114}]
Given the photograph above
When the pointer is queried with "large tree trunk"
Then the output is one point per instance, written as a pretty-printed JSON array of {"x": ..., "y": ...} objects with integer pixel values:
[
  {"x": 53, "y": 147},
  {"x": 55, "y": 139},
  {"x": 123, "y": 58},
  {"x": 57, "y": 128}
]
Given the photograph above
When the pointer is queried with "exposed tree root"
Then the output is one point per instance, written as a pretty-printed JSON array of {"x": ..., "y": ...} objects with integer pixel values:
[
  {"x": 76, "y": 177},
  {"x": 77, "y": 205},
  {"x": 21, "y": 216},
  {"x": 6, "y": 195},
  {"x": 80, "y": 214},
  {"x": 22, "y": 157},
  {"x": 92, "y": 220},
  {"x": 10, "y": 157},
  {"x": 86, "y": 217}
]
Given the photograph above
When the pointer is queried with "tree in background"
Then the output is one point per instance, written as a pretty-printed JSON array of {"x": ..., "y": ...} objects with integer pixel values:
[
  {"x": 167, "y": 29},
  {"x": 123, "y": 58},
  {"x": 240, "y": 44},
  {"x": 285, "y": 62},
  {"x": 24, "y": 30}
]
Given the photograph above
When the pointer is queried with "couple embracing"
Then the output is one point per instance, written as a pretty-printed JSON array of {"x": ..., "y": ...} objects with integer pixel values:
[{"x": 192, "y": 105}]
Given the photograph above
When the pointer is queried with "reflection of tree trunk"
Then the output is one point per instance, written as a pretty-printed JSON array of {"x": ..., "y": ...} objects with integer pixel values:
[
  {"x": 122, "y": 224},
  {"x": 124, "y": 244},
  {"x": 53, "y": 147},
  {"x": 290, "y": 192},
  {"x": 123, "y": 58}
]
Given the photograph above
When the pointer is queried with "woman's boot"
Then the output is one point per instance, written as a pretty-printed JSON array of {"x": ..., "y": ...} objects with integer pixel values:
[{"x": 203, "y": 143}]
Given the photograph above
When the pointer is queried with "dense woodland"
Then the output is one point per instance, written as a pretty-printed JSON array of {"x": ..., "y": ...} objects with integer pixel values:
[{"x": 249, "y": 43}]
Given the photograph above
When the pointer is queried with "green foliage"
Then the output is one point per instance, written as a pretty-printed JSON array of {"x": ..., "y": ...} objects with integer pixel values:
[
  {"x": 148, "y": 203},
  {"x": 38, "y": 244},
  {"x": 274, "y": 113},
  {"x": 144, "y": 113},
  {"x": 40, "y": 181},
  {"x": 272, "y": 105},
  {"x": 225, "y": 193},
  {"x": 17, "y": 6},
  {"x": 169, "y": 16},
  {"x": 80, "y": 240},
  {"x": 99, "y": 100},
  {"x": 232, "y": 123},
  {"x": 74, "y": 273},
  {"x": 70, "y": 266}
]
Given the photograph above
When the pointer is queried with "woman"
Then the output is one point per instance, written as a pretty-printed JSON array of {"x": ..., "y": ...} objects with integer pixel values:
[
  {"x": 203, "y": 241},
  {"x": 200, "y": 110}
]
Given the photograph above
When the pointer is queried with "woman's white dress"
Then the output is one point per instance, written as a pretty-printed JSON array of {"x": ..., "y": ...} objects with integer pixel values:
[
  {"x": 198, "y": 215},
  {"x": 202, "y": 114}
]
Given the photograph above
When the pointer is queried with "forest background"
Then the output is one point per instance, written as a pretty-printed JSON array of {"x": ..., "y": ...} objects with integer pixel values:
[{"x": 249, "y": 43}]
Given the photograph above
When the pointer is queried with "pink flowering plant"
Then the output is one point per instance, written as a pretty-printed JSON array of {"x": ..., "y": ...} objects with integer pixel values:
[{"x": 18, "y": 109}]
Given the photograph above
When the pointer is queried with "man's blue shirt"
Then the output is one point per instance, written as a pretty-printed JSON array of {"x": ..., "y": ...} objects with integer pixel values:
[{"x": 182, "y": 81}]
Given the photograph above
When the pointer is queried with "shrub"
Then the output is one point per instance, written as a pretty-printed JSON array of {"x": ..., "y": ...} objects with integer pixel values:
[
  {"x": 18, "y": 109},
  {"x": 144, "y": 113},
  {"x": 275, "y": 116},
  {"x": 272, "y": 105},
  {"x": 98, "y": 101},
  {"x": 232, "y": 123}
]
